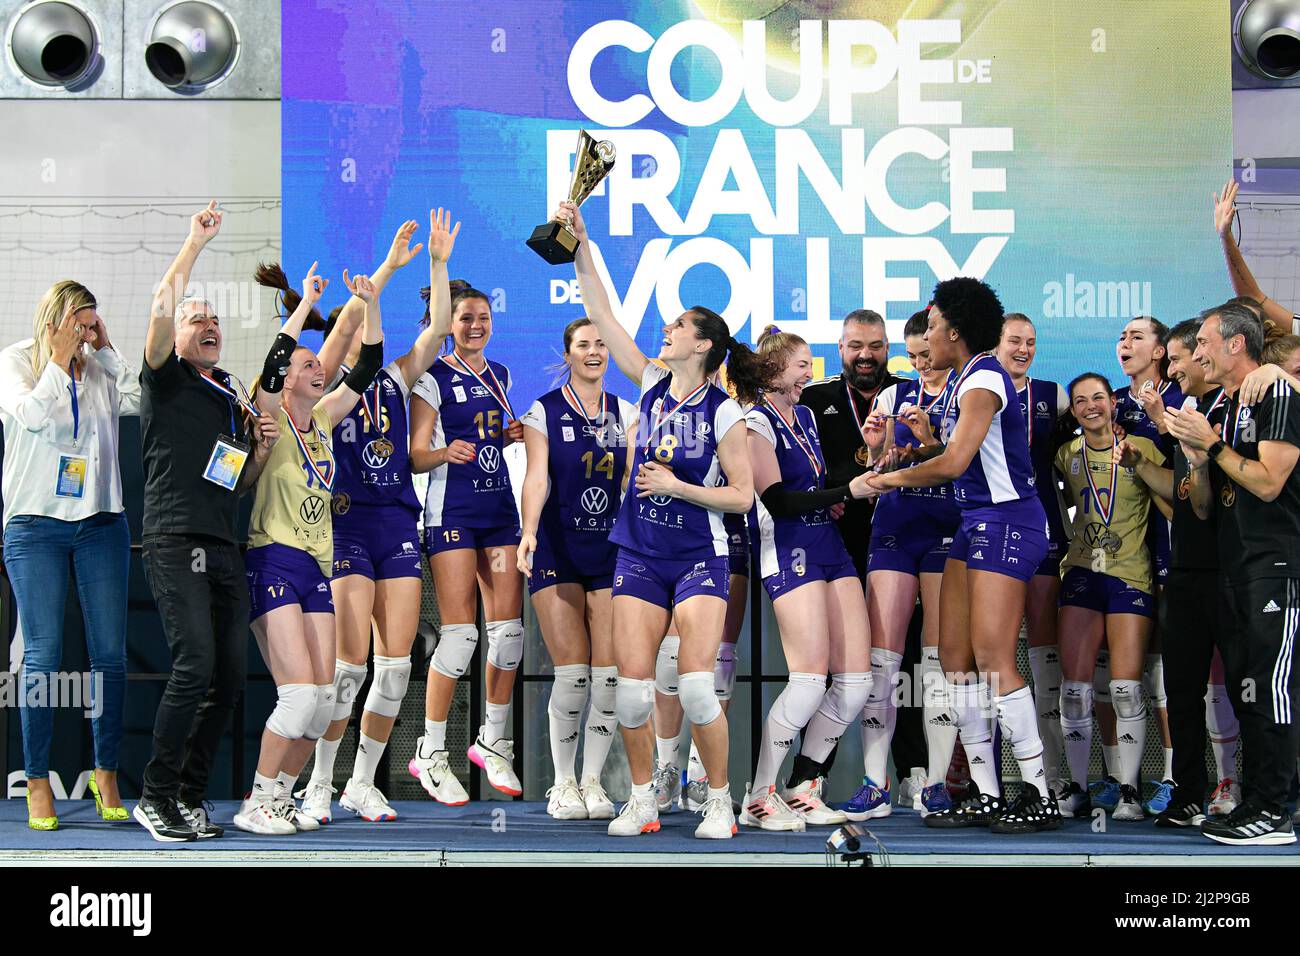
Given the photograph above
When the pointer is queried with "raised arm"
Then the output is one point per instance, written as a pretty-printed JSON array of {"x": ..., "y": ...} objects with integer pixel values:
[
  {"x": 161, "y": 338},
  {"x": 343, "y": 399},
  {"x": 30, "y": 401},
  {"x": 442, "y": 238},
  {"x": 978, "y": 407},
  {"x": 267, "y": 394},
  {"x": 1243, "y": 280}
]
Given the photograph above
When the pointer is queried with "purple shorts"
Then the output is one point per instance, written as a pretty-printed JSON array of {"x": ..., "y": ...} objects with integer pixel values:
[
  {"x": 666, "y": 583},
  {"x": 455, "y": 537},
  {"x": 279, "y": 575},
  {"x": 377, "y": 543},
  {"x": 738, "y": 554},
  {"x": 552, "y": 567},
  {"x": 1010, "y": 549},
  {"x": 1104, "y": 594},
  {"x": 911, "y": 554},
  {"x": 787, "y": 579},
  {"x": 1050, "y": 566}
]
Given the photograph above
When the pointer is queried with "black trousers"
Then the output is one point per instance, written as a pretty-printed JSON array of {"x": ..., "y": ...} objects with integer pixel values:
[
  {"x": 1189, "y": 611},
  {"x": 1257, "y": 643},
  {"x": 202, "y": 596}
]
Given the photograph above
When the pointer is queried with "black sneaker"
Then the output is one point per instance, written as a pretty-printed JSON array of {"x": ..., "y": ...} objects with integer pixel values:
[
  {"x": 1129, "y": 807},
  {"x": 1181, "y": 816},
  {"x": 1250, "y": 826},
  {"x": 199, "y": 818},
  {"x": 163, "y": 820},
  {"x": 1031, "y": 812},
  {"x": 1073, "y": 801},
  {"x": 975, "y": 809}
]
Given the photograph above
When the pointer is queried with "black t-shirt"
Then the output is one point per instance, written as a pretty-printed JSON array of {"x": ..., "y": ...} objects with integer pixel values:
[
  {"x": 1194, "y": 543},
  {"x": 1257, "y": 538},
  {"x": 181, "y": 418},
  {"x": 841, "y": 438}
]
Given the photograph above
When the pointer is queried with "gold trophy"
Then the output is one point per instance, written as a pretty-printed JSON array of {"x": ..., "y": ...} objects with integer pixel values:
[{"x": 552, "y": 240}]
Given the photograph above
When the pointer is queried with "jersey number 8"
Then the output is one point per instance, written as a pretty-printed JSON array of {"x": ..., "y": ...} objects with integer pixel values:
[{"x": 664, "y": 450}]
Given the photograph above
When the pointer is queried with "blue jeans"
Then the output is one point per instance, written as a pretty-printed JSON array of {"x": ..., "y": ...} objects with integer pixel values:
[{"x": 36, "y": 553}]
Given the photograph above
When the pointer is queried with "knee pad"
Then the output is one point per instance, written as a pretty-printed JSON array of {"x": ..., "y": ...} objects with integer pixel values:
[
  {"x": 1153, "y": 680},
  {"x": 934, "y": 686},
  {"x": 699, "y": 700},
  {"x": 505, "y": 644},
  {"x": 1101, "y": 678},
  {"x": 604, "y": 690},
  {"x": 795, "y": 705},
  {"x": 666, "y": 666},
  {"x": 323, "y": 715},
  {"x": 388, "y": 689},
  {"x": 569, "y": 691},
  {"x": 885, "y": 666},
  {"x": 847, "y": 696},
  {"x": 634, "y": 701},
  {"x": 1126, "y": 696},
  {"x": 1045, "y": 666},
  {"x": 1076, "y": 702},
  {"x": 456, "y": 643},
  {"x": 348, "y": 679},
  {"x": 724, "y": 671},
  {"x": 971, "y": 704},
  {"x": 295, "y": 706},
  {"x": 1220, "y": 719}
]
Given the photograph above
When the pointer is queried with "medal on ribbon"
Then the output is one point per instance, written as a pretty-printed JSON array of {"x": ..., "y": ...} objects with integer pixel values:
[
  {"x": 494, "y": 387},
  {"x": 801, "y": 439}
]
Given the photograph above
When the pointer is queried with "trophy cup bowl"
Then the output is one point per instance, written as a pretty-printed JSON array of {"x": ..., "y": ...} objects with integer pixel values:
[{"x": 552, "y": 240}]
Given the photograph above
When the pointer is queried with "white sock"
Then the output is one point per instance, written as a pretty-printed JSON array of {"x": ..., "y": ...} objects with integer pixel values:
[
  {"x": 1169, "y": 765},
  {"x": 1078, "y": 748},
  {"x": 667, "y": 749},
  {"x": 1110, "y": 756},
  {"x": 369, "y": 752},
  {"x": 569, "y": 694},
  {"x": 646, "y": 791},
  {"x": 435, "y": 735},
  {"x": 1131, "y": 731},
  {"x": 695, "y": 766},
  {"x": 1045, "y": 665},
  {"x": 602, "y": 722},
  {"x": 976, "y": 734},
  {"x": 879, "y": 715},
  {"x": 1018, "y": 719},
  {"x": 496, "y": 716},
  {"x": 940, "y": 719},
  {"x": 263, "y": 787},
  {"x": 720, "y": 793},
  {"x": 284, "y": 785},
  {"x": 326, "y": 751}
]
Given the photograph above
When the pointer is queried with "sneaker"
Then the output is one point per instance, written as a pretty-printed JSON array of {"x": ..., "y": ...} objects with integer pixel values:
[
  {"x": 565, "y": 802},
  {"x": 1072, "y": 801},
  {"x": 163, "y": 819},
  {"x": 1104, "y": 793},
  {"x": 719, "y": 821},
  {"x": 198, "y": 816},
  {"x": 767, "y": 811},
  {"x": 1129, "y": 806},
  {"x": 1031, "y": 812},
  {"x": 316, "y": 798},
  {"x": 1163, "y": 796},
  {"x": 869, "y": 803},
  {"x": 1225, "y": 798},
  {"x": 668, "y": 786},
  {"x": 435, "y": 776},
  {"x": 599, "y": 806},
  {"x": 1181, "y": 815},
  {"x": 1250, "y": 826},
  {"x": 289, "y": 810},
  {"x": 694, "y": 795},
  {"x": 974, "y": 809},
  {"x": 910, "y": 787},
  {"x": 498, "y": 762},
  {"x": 366, "y": 801},
  {"x": 935, "y": 799},
  {"x": 263, "y": 816},
  {"x": 806, "y": 800},
  {"x": 638, "y": 816}
]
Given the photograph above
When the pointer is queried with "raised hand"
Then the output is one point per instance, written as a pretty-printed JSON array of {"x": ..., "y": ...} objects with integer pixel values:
[
  {"x": 314, "y": 286},
  {"x": 400, "y": 252},
  {"x": 95, "y": 333},
  {"x": 514, "y": 431},
  {"x": 65, "y": 340},
  {"x": 266, "y": 432},
  {"x": 205, "y": 224},
  {"x": 1192, "y": 428},
  {"x": 1127, "y": 455},
  {"x": 460, "y": 452},
  {"x": 873, "y": 432},
  {"x": 442, "y": 235},
  {"x": 361, "y": 287},
  {"x": 1223, "y": 208},
  {"x": 1154, "y": 405},
  {"x": 569, "y": 215},
  {"x": 918, "y": 422}
]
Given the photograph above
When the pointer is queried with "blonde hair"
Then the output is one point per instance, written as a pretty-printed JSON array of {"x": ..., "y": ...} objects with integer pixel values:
[
  {"x": 49, "y": 312},
  {"x": 1279, "y": 349}
]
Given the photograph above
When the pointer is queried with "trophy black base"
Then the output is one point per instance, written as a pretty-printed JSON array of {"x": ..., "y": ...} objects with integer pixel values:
[{"x": 554, "y": 243}]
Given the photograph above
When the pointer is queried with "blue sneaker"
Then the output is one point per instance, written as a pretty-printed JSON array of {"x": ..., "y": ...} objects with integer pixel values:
[
  {"x": 1105, "y": 793},
  {"x": 935, "y": 799},
  {"x": 1161, "y": 799},
  {"x": 868, "y": 803}
]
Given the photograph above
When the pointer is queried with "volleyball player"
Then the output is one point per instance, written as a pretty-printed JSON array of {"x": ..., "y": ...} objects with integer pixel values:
[
  {"x": 672, "y": 557},
  {"x": 459, "y": 430},
  {"x": 910, "y": 536},
  {"x": 1001, "y": 542},
  {"x": 1107, "y": 590},
  {"x": 575, "y": 437},
  {"x": 291, "y": 553}
]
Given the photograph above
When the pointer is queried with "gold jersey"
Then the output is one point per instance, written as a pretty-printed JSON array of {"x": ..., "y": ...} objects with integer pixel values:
[{"x": 292, "y": 503}]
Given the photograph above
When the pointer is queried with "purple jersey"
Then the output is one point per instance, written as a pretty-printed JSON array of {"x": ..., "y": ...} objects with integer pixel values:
[
  {"x": 804, "y": 538},
  {"x": 684, "y": 435},
  {"x": 374, "y": 466},
  {"x": 585, "y": 468},
  {"x": 471, "y": 407},
  {"x": 1042, "y": 403},
  {"x": 925, "y": 512}
]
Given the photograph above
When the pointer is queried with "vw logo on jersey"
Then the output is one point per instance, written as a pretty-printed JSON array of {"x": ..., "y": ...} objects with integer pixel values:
[
  {"x": 312, "y": 509},
  {"x": 372, "y": 459},
  {"x": 661, "y": 500},
  {"x": 595, "y": 501},
  {"x": 489, "y": 459}
]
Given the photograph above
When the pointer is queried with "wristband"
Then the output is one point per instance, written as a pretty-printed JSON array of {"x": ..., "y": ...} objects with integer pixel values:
[{"x": 1216, "y": 449}]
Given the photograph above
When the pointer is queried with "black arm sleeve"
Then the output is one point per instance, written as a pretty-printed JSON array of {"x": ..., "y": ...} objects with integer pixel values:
[
  {"x": 277, "y": 363},
  {"x": 369, "y": 362},
  {"x": 782, "y": 503}
]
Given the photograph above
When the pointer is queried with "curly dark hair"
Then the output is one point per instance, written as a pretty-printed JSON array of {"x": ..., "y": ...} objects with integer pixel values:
[{"x": 973, "y": 309}]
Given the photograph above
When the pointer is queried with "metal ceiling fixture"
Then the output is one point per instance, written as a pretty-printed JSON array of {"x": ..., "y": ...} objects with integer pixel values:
[
  {"x": 1266, "y": 35},
  {"x": 54, "y": 44},
  {"x": 192, "y": 46}
]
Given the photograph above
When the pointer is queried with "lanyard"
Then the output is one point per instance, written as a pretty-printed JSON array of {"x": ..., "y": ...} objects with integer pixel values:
[
  {"x": 76, "y": 409},
  {"x": 801, "y": 438},
  {"x": 853, "y": 407},
  {"x": 571, "y": 396},
  {"x": 236, "y": 401},
  {"x": 666, "y": 413},
  {"x": 1029, "y": 410},
  {"x": 955, "y": 384},
  {"x": 1235, "y": 411},
  {"x": 498, "y": 393},
  {"x": 1109, "y": 510},
  {"x": 1217, "y": 402},
  {"x": 326, "y": 483}
]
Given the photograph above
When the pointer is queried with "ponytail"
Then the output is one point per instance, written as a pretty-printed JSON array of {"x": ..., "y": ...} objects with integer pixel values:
[
  {"x": 748, "y": 373},
  {"x": 287, "y": 297}
]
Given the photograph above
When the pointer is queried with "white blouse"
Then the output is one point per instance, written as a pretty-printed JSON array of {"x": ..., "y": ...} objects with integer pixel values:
[{"x": 47, "y": 470}]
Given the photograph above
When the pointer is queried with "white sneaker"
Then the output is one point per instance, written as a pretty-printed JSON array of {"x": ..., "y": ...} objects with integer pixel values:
[
  {"x": 806, "y": 800},
  {"x": 498, "y": 762},
  {"x": 316, "y": 798},
  {"x": 668, "y": 786},
  {"x": 1225, "y": 799},
  {"x": 910, "y": 787},
  {"x": 289, "y": 810},
  {"x": 263, "y": 816},
  {"x": 768, "y": 811},
  {"x": 599, "y": 806},
  {"x": 435, "y": 776},
  {"x": 719, "y": 821},
  {"x": 638, "y": 816},
  {"x": 365, "y": 800},
  {"x": 565, "y": 802},
  {"x": 1129, "y": 807}
]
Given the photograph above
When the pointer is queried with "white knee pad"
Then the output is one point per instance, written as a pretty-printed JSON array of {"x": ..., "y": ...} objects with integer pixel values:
[
  {"x": 666, "y": 666},
  {"x": 1045, "y": 665},
  {"x": 604, "y": 690},
  {"x": 885, "y": 666},
  {"x": 1220, "y": 719},
  {"x": 698, "y": 697},
  {"x": 1076, "y": 701},
  {"x": 505, "y": 644},
  {"x": 795, "y": 705},
  {"x": 1101, "y": 678},
  {"x": 348, "y": 679},
  {"x": 323, "y": 715},
  {"x": 388, "y": 689},
  {"x": 634, "y": 701},
  {"x": 724, "y": 671},
  {"x": 1126, "y": 696},
  {"x": 569, "y": 691},
  {"x": 456, "y": 643},
  {"x": 295, "y": 706},
  {"x": 1153, "y": 679},
  {"x": 847, "y": 696}
]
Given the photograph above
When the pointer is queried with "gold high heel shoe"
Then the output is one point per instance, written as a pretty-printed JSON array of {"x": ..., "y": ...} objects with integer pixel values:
[
  {"x": 110, "y": 814},
  {"x": 39, "y": 823}
]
